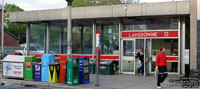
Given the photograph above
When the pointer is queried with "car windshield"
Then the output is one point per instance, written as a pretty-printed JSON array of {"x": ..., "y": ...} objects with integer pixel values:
[{"x": 39, "y": 47}]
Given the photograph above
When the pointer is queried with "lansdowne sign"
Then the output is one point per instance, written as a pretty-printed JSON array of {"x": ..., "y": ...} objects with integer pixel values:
[{"x": 149, "y": 34}]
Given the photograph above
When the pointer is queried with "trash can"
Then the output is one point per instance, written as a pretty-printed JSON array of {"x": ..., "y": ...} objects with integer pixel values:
[
  {"x": 29, "y": 69},
  {"x": 37, "y": 72},
  {"x": 84, "y": 75},
  {"x": 92, "y": 66},
  {"x": 46, "y": 60},
  {"x": 107, "y": 67},
  {"x": 63, "y": 59},
  {"x": 73, "y": 71},
  {"x": 54, "y": 72}
]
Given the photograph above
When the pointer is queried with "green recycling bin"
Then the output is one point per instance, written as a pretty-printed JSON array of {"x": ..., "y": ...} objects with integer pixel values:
[
  {"x": 106, "y": 67},
  {"x": 92, "y": 66},
  {"x": 73, "y": 71},
  {"x": 29, "y": 69}
]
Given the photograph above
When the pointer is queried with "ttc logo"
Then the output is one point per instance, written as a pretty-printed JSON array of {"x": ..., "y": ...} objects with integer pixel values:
[
  {"x": 28, "y": 64},
  {"x": 166, "y": 34}
]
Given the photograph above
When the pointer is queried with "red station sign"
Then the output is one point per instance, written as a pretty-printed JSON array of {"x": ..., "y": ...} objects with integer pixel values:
[{"x": 150, "y": 34}]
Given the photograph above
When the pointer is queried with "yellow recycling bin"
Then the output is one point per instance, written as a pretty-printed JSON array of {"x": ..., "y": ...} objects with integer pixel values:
[{"x": 54, "y": 71}]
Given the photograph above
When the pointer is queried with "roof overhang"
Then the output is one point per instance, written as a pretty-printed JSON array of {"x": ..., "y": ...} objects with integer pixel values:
[{"x": 107, "y": 11}]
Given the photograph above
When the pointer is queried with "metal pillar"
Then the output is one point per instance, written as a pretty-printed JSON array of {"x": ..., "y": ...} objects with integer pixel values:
[
  {"x": 28, "y": 39},
  {"x": 2, "y": 30},
  {"x": 48, "y": 37},
  {"x": 69, "y": 33},
  {"x": 94, "y": 40}
]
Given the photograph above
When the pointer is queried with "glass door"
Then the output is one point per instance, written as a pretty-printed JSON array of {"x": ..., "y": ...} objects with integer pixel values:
[{"x": 128, "y": 56}]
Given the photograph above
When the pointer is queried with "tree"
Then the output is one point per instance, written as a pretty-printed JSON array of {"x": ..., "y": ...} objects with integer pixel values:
[
  {"x": 14, "y": 28},
  {"x": 81, "y": 3}
]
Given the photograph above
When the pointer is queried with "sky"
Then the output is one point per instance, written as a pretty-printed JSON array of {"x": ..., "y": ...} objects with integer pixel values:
[{"x": 28, "y": 5}]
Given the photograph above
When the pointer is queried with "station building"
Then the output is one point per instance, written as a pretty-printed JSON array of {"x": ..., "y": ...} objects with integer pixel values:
[{"x": 124, "y": 29}]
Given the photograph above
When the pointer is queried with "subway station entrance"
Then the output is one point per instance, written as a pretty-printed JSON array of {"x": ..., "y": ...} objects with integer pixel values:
[
  {"x": 150, "y": 42},
  {"x": 130, "y": 48}
]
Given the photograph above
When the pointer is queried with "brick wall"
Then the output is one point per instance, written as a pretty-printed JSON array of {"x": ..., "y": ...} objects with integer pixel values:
[{"x": 9, "y": 40}]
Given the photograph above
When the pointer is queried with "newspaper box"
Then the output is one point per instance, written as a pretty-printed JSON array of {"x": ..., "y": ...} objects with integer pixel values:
[{"x": 13, "y": 66}]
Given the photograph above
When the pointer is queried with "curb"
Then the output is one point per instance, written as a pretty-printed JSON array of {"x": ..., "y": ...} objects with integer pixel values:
[{"x": 43, "y": 85}]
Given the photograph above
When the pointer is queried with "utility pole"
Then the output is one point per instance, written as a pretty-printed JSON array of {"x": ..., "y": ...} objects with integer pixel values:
[
  {"x": 2, "y": 30},
  {"x": 69, "y": 30}
]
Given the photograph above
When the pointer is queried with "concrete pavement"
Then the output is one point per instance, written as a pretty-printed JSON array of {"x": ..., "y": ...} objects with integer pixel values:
[{"x": 106, "y": 82}]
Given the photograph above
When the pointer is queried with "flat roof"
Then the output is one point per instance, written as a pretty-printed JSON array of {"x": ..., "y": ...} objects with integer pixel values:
[{"x": 106, "y": 11}]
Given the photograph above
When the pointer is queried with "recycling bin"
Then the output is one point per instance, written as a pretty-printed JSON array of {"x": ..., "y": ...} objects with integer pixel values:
[
  {"x": 84, "y": 75},
  {"x": 92, "y": 66},
  {"x": 107, "y": 67},
  {"x": 63, "y": 59},
  {"x": 46, "y": 60},
  {"x": 29, "y": 69},
  {"x": 73, "y": 71},
  {"x": 54, "y": 72},
  {"x": 37, "y": 71}
]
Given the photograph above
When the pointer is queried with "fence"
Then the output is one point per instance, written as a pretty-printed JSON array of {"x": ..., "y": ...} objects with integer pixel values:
[{"x": 11, "y": 49}]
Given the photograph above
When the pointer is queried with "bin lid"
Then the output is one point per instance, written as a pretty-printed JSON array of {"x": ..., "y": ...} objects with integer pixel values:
[
  {"x": 14, "y": 58},
  {"x": 106, "y": 62},
  {"x": 92, "y": 61}
]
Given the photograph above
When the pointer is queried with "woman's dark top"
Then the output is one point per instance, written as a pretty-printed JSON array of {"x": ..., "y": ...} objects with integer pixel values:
[{"x": 141, "y": 56}]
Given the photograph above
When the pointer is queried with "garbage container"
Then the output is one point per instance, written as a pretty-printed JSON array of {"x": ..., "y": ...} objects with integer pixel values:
[
  {"x": 54, "y": 72},
  {"x": 73, "y": 71},
  {"x": 29, "y": 69},
  {"x": 84, "y": 75},
  {"x": 37, "y": 72},
  {"x": 63, "y": 59},
  {"x": 107, "y": 67},
  {"x": 92, "y": 66},
  {"x": 46, "y": 60}
]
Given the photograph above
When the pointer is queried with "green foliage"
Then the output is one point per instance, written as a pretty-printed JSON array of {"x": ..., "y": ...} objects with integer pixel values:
[
  {"x": 82, "y": 3},
  {"x": 14, "y": 28}
]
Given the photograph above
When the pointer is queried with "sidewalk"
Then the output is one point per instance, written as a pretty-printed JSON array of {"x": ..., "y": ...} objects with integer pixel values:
[{"x": 106, "y": 82}]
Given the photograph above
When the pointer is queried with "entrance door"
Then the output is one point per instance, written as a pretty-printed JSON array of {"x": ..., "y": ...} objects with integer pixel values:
[
  {"x": 128, "y": 56},
  {"x": 130, "y": 48}
]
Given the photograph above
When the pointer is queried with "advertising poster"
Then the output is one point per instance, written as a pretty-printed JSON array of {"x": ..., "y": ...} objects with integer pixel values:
[{"x": 13, "y": 69}]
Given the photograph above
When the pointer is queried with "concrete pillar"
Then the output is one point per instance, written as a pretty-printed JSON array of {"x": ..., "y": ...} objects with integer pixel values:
[
  {"x": 69, "y": 34},
  {"x": 193, "y": 36},
  {"x": 28, "y": 28},
  {"x": 48, "y": 38},
  {"x": 120, "y": 50}
]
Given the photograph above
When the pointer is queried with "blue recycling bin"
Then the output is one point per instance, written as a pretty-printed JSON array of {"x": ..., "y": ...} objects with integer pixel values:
[
  {"x": 84, "y": 74},
  {"x": 37, "y": 72},
  {"x": 46, "y": 60}
]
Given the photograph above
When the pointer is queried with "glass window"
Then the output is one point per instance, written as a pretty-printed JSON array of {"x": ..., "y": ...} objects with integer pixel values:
[
  {"x": 82, "y": 36},
  {"x": 58, "y": 38},
  {"x": 171, "y": 46},
  {"x": 109, "y": 36},
  {"x": 150, "y": 23},
  {"x": 37, "y": 38},
  {"x": 128, "y": 48},
  {"x": 171, "y": 66}
]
